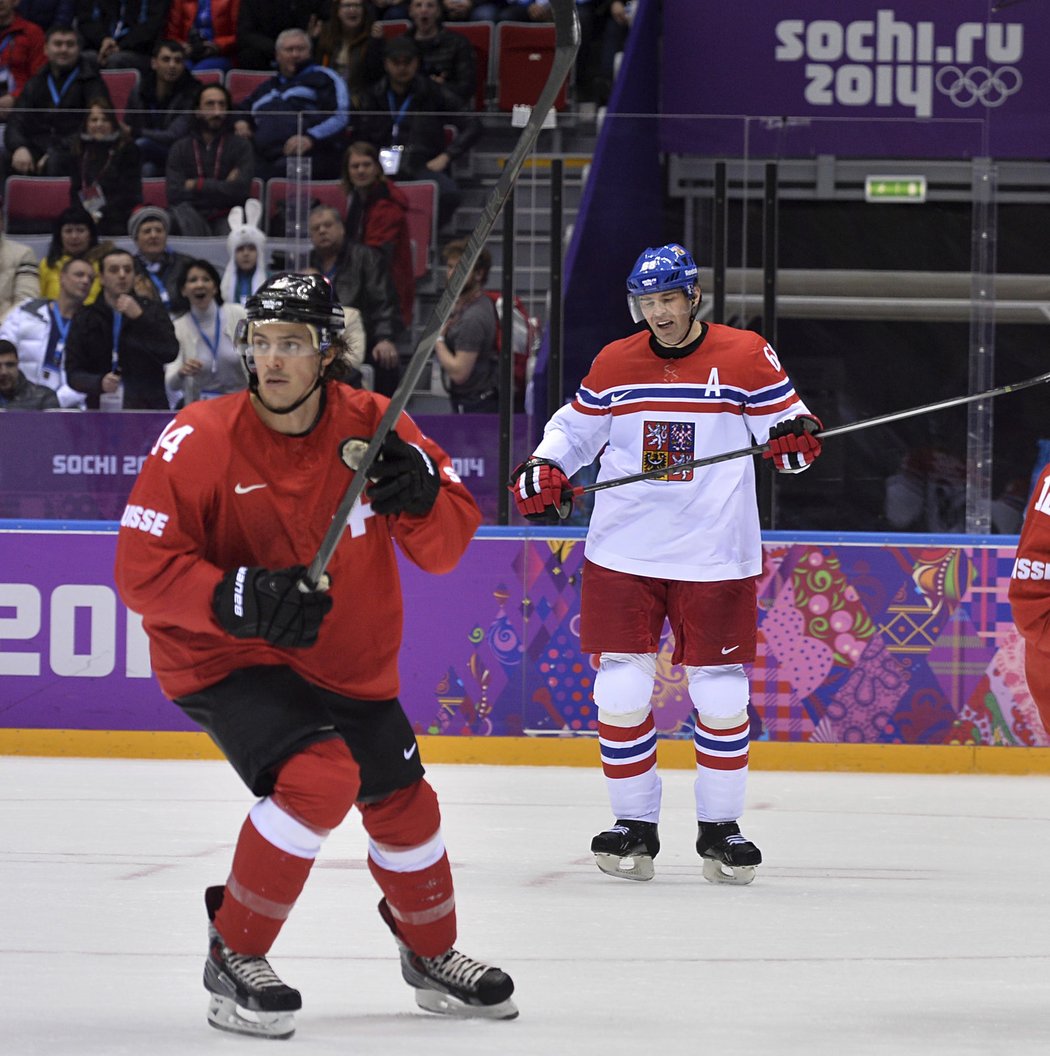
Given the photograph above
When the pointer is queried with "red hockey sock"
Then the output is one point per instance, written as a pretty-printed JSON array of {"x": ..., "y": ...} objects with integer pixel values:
[{"x": 423, "y": 905}]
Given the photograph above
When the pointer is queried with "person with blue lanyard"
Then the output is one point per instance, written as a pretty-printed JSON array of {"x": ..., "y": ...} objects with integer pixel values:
[
  {"x": 121, "y": 343},
  {"x": 118, "y": 34},
  {"x": 45, "y": 121},
  {"x": 39, "y": 328},
  {"x": 149, "y": 228},
  {"x": 208, "y": 363}
]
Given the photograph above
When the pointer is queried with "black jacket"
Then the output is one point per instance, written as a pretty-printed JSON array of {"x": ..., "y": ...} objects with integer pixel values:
[
  {"x": 52, "y": 126},
  {"x": 142, "y": 21},
  {"x": 421, "y": 130},
  {"x": 190, "y": 158},
  {"x": 451, "y": 55},
  {"x": 161, "y": 122},
  {"x": 145, "y": 345},
  {"x": 116, "y": 167},
  {"x": 361, "y": 281},
  {"x": 28, "y": 396}
]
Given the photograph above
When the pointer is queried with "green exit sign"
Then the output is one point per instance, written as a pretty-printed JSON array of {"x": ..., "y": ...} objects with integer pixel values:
[{"x": 895, "y": 189}]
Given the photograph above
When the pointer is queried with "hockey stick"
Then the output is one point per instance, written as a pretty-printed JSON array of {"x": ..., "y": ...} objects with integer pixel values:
[
  {"x": 566, "y": 44},
  {"x": 838, "y": 430}
]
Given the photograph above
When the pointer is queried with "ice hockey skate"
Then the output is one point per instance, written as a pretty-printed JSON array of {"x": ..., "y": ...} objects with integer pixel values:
[
  {"x": 627, "y": 849},
  {"x": 453, "y": 984},
  {"x": 247, "y": 997},
  {"x": 729, "y": 858}
]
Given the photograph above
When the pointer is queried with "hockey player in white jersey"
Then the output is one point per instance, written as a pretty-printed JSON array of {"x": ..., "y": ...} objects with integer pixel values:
[{"x": 683, "y": 545}]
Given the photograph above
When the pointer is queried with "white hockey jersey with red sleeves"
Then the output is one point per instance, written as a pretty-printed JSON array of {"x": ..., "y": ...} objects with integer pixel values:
[
  {"x": 220, "y": 489},
  {"x": 646, "y": 412},
  {"x": 1030, "y": 593}
]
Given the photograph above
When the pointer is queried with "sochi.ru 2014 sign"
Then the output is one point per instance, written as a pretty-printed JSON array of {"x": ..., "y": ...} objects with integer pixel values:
[{"x": 855, "y": 78}]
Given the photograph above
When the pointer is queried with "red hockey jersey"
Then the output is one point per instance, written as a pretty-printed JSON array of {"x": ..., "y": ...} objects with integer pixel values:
[
  {"x": 220, "y": 489},
  {"x": 1030, "y": 593}
]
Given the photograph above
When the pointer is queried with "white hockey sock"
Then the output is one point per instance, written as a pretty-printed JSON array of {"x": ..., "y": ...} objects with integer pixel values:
[
  {"x": 720, "y": 740},
  {"x": 627, "y": 734}
]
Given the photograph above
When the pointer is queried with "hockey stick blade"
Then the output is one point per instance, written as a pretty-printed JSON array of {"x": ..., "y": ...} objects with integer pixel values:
[
  {"x": 838, "y": 430},
  {"x": 566, "y": 44}
]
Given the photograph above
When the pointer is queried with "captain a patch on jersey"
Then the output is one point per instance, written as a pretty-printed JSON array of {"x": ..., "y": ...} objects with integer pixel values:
[{"x": 667, "y": 444}]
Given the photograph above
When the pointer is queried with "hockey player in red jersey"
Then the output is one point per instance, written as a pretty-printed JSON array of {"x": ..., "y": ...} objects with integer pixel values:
[
  {"x": 298, "y": 687},
  {"x": 684, "y": 545},
  {"x": 1030, "y": 594}
]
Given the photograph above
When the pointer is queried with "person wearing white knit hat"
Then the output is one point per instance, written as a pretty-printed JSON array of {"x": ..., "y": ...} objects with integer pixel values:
[{"x": 246, "y": 245}]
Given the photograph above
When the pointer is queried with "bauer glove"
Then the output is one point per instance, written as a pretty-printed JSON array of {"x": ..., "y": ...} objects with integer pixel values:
[
  {"x": 253, "y": 602},
  {"x": 403, "y": 479},
  {"x": 542, "y": 492},
  {"x": 793, "y": 445}
]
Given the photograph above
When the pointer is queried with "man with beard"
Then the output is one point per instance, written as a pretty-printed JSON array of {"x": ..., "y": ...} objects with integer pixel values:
[{"x": 210, "y": 170}]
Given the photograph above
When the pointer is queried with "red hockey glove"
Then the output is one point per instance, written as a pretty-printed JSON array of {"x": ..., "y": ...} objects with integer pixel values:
[
  {"x": 542, "y": 492},
  {"x": 792, "y": 445}
]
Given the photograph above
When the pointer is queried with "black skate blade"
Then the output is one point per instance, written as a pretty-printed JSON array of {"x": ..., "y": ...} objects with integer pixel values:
[
  {"x": 626, "y": 867},
  {"x": 446, "y": 1005},
  {"x": 225, "y": 1014}
]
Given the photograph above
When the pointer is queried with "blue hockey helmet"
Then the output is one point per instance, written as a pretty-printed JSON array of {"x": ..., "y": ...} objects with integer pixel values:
[{"x": 669, "y": 267}]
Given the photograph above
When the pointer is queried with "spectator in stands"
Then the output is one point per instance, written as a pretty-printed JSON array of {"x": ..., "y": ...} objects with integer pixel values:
[
  {"x": 359, "y": 276},
  {"x": 207, "y": 30},
  {"x": 445, "y": 57},
  {"x": 120, "y": 343},
  {"x": 120, "y": 33},
  {"x": 208, "y": 363},
  {"x": 350, "y": 42},
  {"x": 17, "y": 392},
  {"x": 47, "y": 13},
  {"x": 302, "y": 111},
  {"x": 38, "y": 328},
  {"x": 73, "y": 234},
  {"x": 149, "y": 228},
  {"x": 45, "y": 121},
  {"x": 19, "y": 277},
  {"x": 106, "y": 178},
  {"x": 160, "y": 107},
  {"x": 209, "y": 170},
  {"x": 388, "y": 10},
  {"x": 21, "y": 53},
  {"x": 467, "y": 346},
  {"x": 615, "y": 18},
  {"x": 246, "y": 244},
  {"x": 377, "y": 215},
  {"x": 406, "y": 122},
  {"x": 261, "y": 22}
]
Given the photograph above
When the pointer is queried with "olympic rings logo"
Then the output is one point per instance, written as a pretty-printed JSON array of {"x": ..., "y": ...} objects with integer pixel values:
[{"x": 978, "y": 84}]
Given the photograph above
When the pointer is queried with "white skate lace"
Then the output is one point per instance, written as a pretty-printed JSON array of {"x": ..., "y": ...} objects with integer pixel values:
[
  {"x": 736, "y": 838},
  {"x": 456, "y": 968},
  {"x": 254, "y": 972}
]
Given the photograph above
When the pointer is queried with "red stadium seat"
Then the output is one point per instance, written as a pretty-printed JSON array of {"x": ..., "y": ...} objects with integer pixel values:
[
  {"x": 208, "y": 76},
  {"x": 241, "y": 83},
  {"x": 119, "y": 84},
  {"x": 422, "y": 222},
  {"x": 394, "y": 27},
  {"x": 31, "y": 203},
  {"x": 155, "y": 191},
  {"x": 480, "y": 36},
  {"x": 524, "y": 56},
  {"x": 327, "y": 192}
]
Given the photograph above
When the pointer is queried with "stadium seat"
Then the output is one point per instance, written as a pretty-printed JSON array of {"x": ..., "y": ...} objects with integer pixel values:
[
  {"x": 394, "y": 27},
  {"x": 480, "y": 36},
  {"x": 119, "y": 84},
  {"x": 155, "y": 191},
  {"x": 325, "y": 192},
  {"x": 524, "y": 55},
  {"x": 241, "y": 83},
  {"x": 31, "y": 203},
  {"x": 422, "y": 222},
  {"x": 208, "y": 76}
]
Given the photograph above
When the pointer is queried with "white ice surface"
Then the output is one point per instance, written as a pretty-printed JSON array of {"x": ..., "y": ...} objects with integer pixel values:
[{"x": 895, "y": 914}]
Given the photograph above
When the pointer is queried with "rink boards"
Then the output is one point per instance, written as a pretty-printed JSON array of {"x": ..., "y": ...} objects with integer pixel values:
[{"x": 875, "y": 653}]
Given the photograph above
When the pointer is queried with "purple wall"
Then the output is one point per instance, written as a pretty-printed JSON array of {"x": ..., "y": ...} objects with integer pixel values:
[
  {"x": 910, "y": 79},
  {"x": 857, "y": 644}
]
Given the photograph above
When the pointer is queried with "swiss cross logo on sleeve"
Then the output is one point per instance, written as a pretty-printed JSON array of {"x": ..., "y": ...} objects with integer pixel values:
[{"x": 667, "y": 444}]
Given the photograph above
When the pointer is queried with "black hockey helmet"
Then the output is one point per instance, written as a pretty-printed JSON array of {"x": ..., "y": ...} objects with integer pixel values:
[{"x": 292, "y": 298}]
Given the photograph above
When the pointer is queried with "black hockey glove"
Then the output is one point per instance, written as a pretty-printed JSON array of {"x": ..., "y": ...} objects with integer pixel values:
[
  {"x": 403, "y": 479},
  {"x": 541, "y": 490},
  {"x": 253, "y": 602}
]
